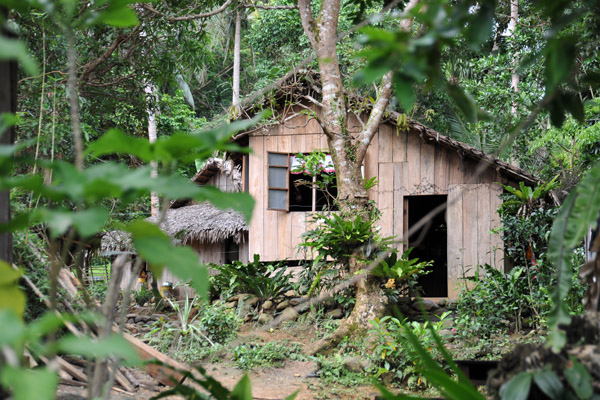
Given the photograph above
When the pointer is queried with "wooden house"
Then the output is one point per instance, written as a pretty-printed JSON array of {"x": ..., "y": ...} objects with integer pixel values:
[{"x": 417, "y": 170}]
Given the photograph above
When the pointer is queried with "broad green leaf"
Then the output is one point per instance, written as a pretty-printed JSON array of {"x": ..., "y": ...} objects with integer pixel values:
[
  {"x": 13, "y": 328},
  {"x": 11, "y": 296},
  {"x": 481, "y": 24},
  {"x": 241, "y": 202},
  {"x": 586, "y": 208},
  {"x": 156, "y": 248},
  {"x": 463, "y": 101},
  {"x": 114, "y": 141},
  {"x": 560, "y": 58},
  {"x": 517, "y": 388},
  {"x": 242, "y": 390},
  {"x": 549, "y": 383},
  {"x": 404, "y": 92},
  {"x": 579, "y": 379},
  {"x": 559, "y": 254},
  {"x": 86, "y": 222},
  {"x": 14, "y": 49},
  {"x": 27, "y": 384},
  {"x": 121, "y": 17},
  {"x": 112, "y": 346}
]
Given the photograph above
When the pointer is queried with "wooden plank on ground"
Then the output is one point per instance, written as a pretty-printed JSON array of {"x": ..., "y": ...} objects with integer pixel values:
[{"x": 166, "y": 376}]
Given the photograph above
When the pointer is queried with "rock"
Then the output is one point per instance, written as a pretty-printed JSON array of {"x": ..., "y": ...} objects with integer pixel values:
[
  {"x": 131, "y": 328},
  {"x": 291, "y": 293},
  {"x": 337, "y": 313},
  {"x": 230, "y": 304},
  {"x": 138, "y": 319},
  {"x": 451, "y": 304},
  {"x": 251, "y": 301},
  {"x": 238, "y": 297},
  {"x": 267, "y": 305},
  {"x": 356, "y": 364},
  {"x": 247, "y": 318},
  {"x": 131, "y": 315},
  {"x": 264, "y": 319},
  {"x": 448, "y": 323},
  {"x": 289, "y": 314},
  {"x": 161, "y": 316},
  {"x": 439, "y": 311},
  {"x": 428, "y": 305},
  {"x": 131, "y": 321},
  {"x": 283, "y": 305},
  {"x": 404, "y": 300},
  {"x": 297, "y": 300},
  {"x": 442, "y": 302},
  {"x": 330, "y": 303}
]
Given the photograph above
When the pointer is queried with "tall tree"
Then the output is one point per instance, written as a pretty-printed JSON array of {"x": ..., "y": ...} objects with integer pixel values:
[{"x": 347, "y": 150}]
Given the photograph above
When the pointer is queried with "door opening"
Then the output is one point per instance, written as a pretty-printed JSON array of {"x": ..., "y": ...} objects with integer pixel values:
[{"x": 429, "y": 243}]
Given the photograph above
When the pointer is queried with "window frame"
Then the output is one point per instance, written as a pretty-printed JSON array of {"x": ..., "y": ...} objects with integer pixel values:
[{"x": 285, "y": 189}]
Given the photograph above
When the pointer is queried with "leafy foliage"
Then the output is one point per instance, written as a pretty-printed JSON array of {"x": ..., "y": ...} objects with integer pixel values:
[
  {"x": 263, "y": 280},
  {"x": 271, "y": 354}
]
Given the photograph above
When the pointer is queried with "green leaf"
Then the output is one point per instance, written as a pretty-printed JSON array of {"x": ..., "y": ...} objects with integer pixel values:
[
  {"x": 156, "y": 248},
  {"x": 463, "y": 101},
  {"x": 549, "y": 383},
  {"x": 27, "y": 384},
  {"x": 241, "y": 202},
  {"x": 404, "y": 92},
  {"x": 112, "y": 346},
  {"x": 87, "y": 222},
  {"x": 560, "y": 58},
  {"x": 242, "y": 390},
  {"x": 579, "y": 379},
  {"x": 14, "y": 49},
  {"x": 517, "y": 388},
  {"x": 12, "y": 328},
  {"x": 11, "y": 296},
  {"x": 114, "y": 141},
  {"x": 481, "y": 24},
  {"x": 121, "y": 17}
]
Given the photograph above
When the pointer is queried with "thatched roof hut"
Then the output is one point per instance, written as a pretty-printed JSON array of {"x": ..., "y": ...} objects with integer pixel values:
[{"x": 202, "y": 223}]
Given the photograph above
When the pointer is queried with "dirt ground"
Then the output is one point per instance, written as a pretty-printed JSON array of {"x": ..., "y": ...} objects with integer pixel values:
[{"x": 267, "y": 383}]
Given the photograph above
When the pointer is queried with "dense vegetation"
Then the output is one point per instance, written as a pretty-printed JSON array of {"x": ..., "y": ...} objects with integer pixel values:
[{"x": 92, "y": 74}]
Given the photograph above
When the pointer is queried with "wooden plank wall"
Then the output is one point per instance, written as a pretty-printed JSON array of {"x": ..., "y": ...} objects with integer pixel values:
[
  {"x": 471, "y": 216},
  {"x": 404, "y": 165}
]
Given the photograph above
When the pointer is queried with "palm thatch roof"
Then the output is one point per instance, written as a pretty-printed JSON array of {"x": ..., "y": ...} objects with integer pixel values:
[{"x": 203, "y": 223}]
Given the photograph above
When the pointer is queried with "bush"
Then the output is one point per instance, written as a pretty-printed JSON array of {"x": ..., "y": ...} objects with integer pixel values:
[
  {"x": 263, "y": 280},
  {"x": 142, "y": 296},
  {"x": 393, "y": 354}
]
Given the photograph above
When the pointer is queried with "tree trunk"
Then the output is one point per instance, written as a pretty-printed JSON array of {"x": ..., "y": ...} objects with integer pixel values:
[
  {"x": 151, "y": 96},
  {"x": 512, "y": 25},
  {"x": 235, "y": 102},
  {"x": 348, "y": 152}
]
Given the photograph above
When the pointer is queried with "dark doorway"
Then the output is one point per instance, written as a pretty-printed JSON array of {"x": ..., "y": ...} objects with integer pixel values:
[{"x": 429, "y": 243}]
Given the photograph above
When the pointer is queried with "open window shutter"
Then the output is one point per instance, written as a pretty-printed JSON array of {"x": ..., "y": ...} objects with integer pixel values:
[{"x": 278, "y": 181}]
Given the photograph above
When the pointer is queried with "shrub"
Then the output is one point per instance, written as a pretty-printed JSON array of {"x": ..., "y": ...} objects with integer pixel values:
[
  {"x": 263, "y": 280},
  {"x": 393, "y": 355},
  {"x": 142, "y": 296}
]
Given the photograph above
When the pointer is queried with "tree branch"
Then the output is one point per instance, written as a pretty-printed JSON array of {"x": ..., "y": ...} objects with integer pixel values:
[
  {"x": 308, "y": 22},
  {"x": 173, "y": 18},
  {"x": 263, "y": 7}
]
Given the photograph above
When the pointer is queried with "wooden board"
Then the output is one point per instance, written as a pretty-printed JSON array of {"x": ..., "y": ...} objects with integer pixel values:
[
  {"x": 470, "y": 228},
  {"x": 400, "y": 177},
  {"x": 496, "y": 242},
  {"x": 386, "y": 198},
  {"x": 414, "y": 163},
  {"x": 298, "y": 222},
  {"x": 162, "y": 374},
  {"x": 441, "y": 170},
  {"x": 399, "y": 139},
  {"x": 455, "y": 236},
  {"x": 385, "y": 144},
  {"x": 455, "y": 168},
  {"x": 484, "y": 242},
  {"x": 256, "y": 188},
  {"x": 427, "y": 168}
]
